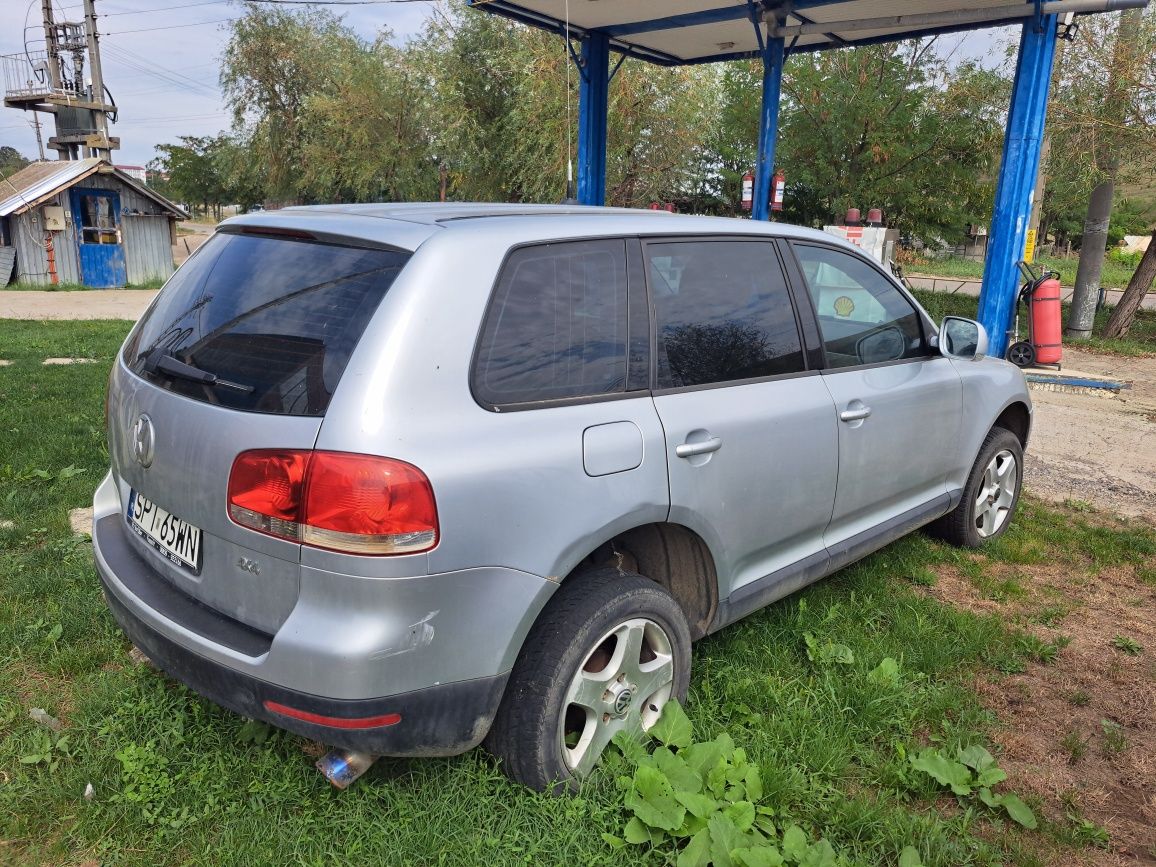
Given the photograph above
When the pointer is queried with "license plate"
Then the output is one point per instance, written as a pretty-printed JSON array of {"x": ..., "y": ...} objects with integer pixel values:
[{"x": 176, "y": 539}]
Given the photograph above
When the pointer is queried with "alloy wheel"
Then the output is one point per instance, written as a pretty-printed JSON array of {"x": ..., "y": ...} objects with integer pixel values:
[
  {"x": 622, "y": 685},
  {"x": 997, "y": 494}
]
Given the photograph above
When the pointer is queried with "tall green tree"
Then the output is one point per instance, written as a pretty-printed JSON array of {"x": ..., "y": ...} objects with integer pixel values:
[
  {"x": 891, "y": 126},
  {"x": 206, "y": 172},
  {"x": 11, "y": 161},
  {"x": 275, "y": 62},
  {"x": 506, "y": 115},
  {"x": 188, "y": 173}
]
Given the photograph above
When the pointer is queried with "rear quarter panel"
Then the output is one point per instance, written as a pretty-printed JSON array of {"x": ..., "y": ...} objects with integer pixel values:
[{"x": 510, "y": 486}]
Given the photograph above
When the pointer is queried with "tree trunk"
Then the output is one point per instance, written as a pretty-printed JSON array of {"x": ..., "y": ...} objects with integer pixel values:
[
  {"x": 1092, "y": 250},
  {"x": 1121, "y": 319},
  {"x": 1087, "y": 288}
]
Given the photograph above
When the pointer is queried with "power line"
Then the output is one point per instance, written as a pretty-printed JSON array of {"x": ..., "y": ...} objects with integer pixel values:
[
  {"x": 161, "y": 73},
  {"x": 336, "y": 2},
  {"x": 166, "y": 8},
  {"x": 170, "y": 26}
]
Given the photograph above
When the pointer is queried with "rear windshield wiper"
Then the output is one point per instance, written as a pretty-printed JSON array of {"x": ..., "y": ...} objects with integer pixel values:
[{"x": 161, "y": 361}]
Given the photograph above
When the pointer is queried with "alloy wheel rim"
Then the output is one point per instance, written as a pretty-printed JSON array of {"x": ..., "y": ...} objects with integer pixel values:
[
  {"x": 996, "y": 494},
  {"x": 622, "y": 685}
]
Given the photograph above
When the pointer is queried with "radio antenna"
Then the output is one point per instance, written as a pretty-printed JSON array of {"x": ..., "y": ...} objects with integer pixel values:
[{"x": 566, "y": 52}]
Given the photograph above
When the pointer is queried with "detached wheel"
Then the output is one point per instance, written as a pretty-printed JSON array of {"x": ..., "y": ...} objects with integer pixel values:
[
  {"x": 607, "y": 653},
  {"x": 990, "y": 496},
  {"x": 1021, "y": 354}
]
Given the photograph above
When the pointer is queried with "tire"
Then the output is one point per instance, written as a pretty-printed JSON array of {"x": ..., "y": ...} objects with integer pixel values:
[
  {"x": 1021, "y": 354},
  {"x": 989, "y": 499},
  {"x": 570, "y": 654}
]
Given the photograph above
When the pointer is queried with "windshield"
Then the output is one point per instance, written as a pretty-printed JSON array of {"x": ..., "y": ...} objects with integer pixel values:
[{"x": 280, "y": 315}]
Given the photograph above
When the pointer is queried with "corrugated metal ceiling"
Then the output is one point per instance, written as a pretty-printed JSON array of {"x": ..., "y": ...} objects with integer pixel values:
[{"x": 696, "y": 31}]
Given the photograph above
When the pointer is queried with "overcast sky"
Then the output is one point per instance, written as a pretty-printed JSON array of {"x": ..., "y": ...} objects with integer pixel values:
[{"x": 160, "y": 61}]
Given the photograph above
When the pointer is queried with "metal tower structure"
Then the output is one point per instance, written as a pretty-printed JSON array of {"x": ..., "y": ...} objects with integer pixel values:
[{"x": 65, "y": 80}]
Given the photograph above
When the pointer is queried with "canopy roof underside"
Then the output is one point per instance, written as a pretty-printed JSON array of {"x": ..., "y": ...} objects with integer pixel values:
[{"x": 674, "y": 32}]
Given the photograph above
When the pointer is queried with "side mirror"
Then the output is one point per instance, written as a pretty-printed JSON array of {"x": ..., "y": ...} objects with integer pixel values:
[{"x": 962, "y": 338}]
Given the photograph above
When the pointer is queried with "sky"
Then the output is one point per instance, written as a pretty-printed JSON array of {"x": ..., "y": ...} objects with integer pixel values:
[{"x": 161, "y": 60}]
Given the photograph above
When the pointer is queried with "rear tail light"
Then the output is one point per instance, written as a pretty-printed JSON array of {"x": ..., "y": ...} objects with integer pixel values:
[{"x": 357, "y": 504}]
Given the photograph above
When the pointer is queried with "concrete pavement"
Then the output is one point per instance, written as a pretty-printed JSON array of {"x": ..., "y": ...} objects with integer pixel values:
[{"x": 96, "y": 304}]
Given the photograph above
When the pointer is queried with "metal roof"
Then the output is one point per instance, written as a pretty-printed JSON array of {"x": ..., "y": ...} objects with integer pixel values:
[
  {"x": 39, "y": 181},
  {"x": 676, "y": 32}
]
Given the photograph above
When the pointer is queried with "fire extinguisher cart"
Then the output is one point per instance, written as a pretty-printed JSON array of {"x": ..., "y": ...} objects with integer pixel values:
[{"x": 1040, "y": 296}]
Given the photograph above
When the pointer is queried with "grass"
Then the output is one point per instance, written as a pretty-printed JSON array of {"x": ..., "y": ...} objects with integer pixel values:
[
  {"x": 72, "y": 287},
  {"x": 1141, "y": 339},
  {"x": 1115, "y": 275},
  {"x": 179, "y": 781}
]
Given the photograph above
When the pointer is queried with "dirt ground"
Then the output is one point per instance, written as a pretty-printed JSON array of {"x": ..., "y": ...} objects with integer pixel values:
[
  {"x": 1101, "y": 450},
  {"x": 1079, "y": 732}
]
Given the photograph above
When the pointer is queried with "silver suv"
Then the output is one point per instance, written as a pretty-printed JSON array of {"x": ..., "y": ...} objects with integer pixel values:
[{"x": 407, "y": 478}]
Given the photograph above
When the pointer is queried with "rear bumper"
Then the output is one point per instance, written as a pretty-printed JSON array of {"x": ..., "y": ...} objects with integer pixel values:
[
  {"x": 435, "y": 649},
  {"x": 438, "y": 721}
]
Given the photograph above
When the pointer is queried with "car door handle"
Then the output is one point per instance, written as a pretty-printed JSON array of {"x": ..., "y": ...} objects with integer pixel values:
[
  {"x": 689, "y": 450},
  {"x": 857, "y": 414}
]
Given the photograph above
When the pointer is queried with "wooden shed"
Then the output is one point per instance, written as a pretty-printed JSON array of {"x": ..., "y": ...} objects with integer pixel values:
[{"x": 84, "y": 221}]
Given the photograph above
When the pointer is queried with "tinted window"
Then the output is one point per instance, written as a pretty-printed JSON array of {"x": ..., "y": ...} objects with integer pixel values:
[
  {"x": 277, "y": 315},
  {"x": 863, "y": 317},
  {"x": 722, "y": 311},
  {"x": 557, "y": 325}
]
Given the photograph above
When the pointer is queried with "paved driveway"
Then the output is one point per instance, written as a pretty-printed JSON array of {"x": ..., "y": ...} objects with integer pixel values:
[{"x": 97, "y": 304}]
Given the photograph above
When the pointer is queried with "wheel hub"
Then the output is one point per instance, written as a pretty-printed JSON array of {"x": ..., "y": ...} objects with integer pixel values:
[{"x": 619, "y": 697}]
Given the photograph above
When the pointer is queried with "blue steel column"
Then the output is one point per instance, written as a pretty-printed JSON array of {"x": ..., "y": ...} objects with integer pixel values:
[
  {"x": 593, "y": 105},
  {"x": 773, "y": 56},
  {"x": 1017, "y": 179}
]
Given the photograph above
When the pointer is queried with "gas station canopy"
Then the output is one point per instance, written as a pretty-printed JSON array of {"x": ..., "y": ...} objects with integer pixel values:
[{"x": 677, "y": 32}]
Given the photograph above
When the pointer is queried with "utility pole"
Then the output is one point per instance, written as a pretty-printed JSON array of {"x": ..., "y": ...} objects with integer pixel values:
[
  {"x": 96, "y": 90},
  {"x": 53, "y": 50},
  {"x": 1099, "y": 216},
  {"x": 39, "y": 138},
  {"x": 66, "y": 82}
]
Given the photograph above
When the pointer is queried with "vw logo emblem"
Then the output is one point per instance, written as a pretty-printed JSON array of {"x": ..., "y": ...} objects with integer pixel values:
[
  {"x": 142, "y": 441},
  {"x": 622, "y": 701}
]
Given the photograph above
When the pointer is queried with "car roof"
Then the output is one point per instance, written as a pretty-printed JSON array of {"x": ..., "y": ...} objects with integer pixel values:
[{"x": 408, "y": 225}]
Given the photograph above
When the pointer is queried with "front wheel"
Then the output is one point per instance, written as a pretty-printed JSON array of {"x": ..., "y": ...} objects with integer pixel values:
[
  {"x": 990, "y": 495},
  {"x": 607, "y": 653}
]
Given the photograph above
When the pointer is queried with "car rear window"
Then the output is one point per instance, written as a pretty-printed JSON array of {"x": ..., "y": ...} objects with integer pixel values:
[{"x": 276, "y": 316}]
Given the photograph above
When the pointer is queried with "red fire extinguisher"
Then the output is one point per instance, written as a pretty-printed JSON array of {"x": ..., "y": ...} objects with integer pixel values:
[
  {"x": 1046, "y": 318},
  {"x": 778, "y": 190},
  {"x": 748, "y": 197},
  {"x": 1041, "y": 295}
]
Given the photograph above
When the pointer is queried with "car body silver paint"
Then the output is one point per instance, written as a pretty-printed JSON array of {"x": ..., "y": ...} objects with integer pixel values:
[
  {"x": 517, "y": 507},
  {"x": 194, "y": 447},
  {"x": 762, "y": 500},
  {"x": 349, "y": 637},
  {"x": 990, "y": 385},
  {"x": 892, "y": 461}
]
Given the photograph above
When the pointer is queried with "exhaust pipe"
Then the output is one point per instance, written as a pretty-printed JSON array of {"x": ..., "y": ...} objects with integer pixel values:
[{"x": 344, "y": 767}]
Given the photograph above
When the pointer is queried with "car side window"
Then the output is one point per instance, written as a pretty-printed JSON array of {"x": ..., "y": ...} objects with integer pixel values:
[
  {"x": 557, "y": 326},
  {"x": 863, "y": 318},
  {"x": 722, "y": 311}
]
